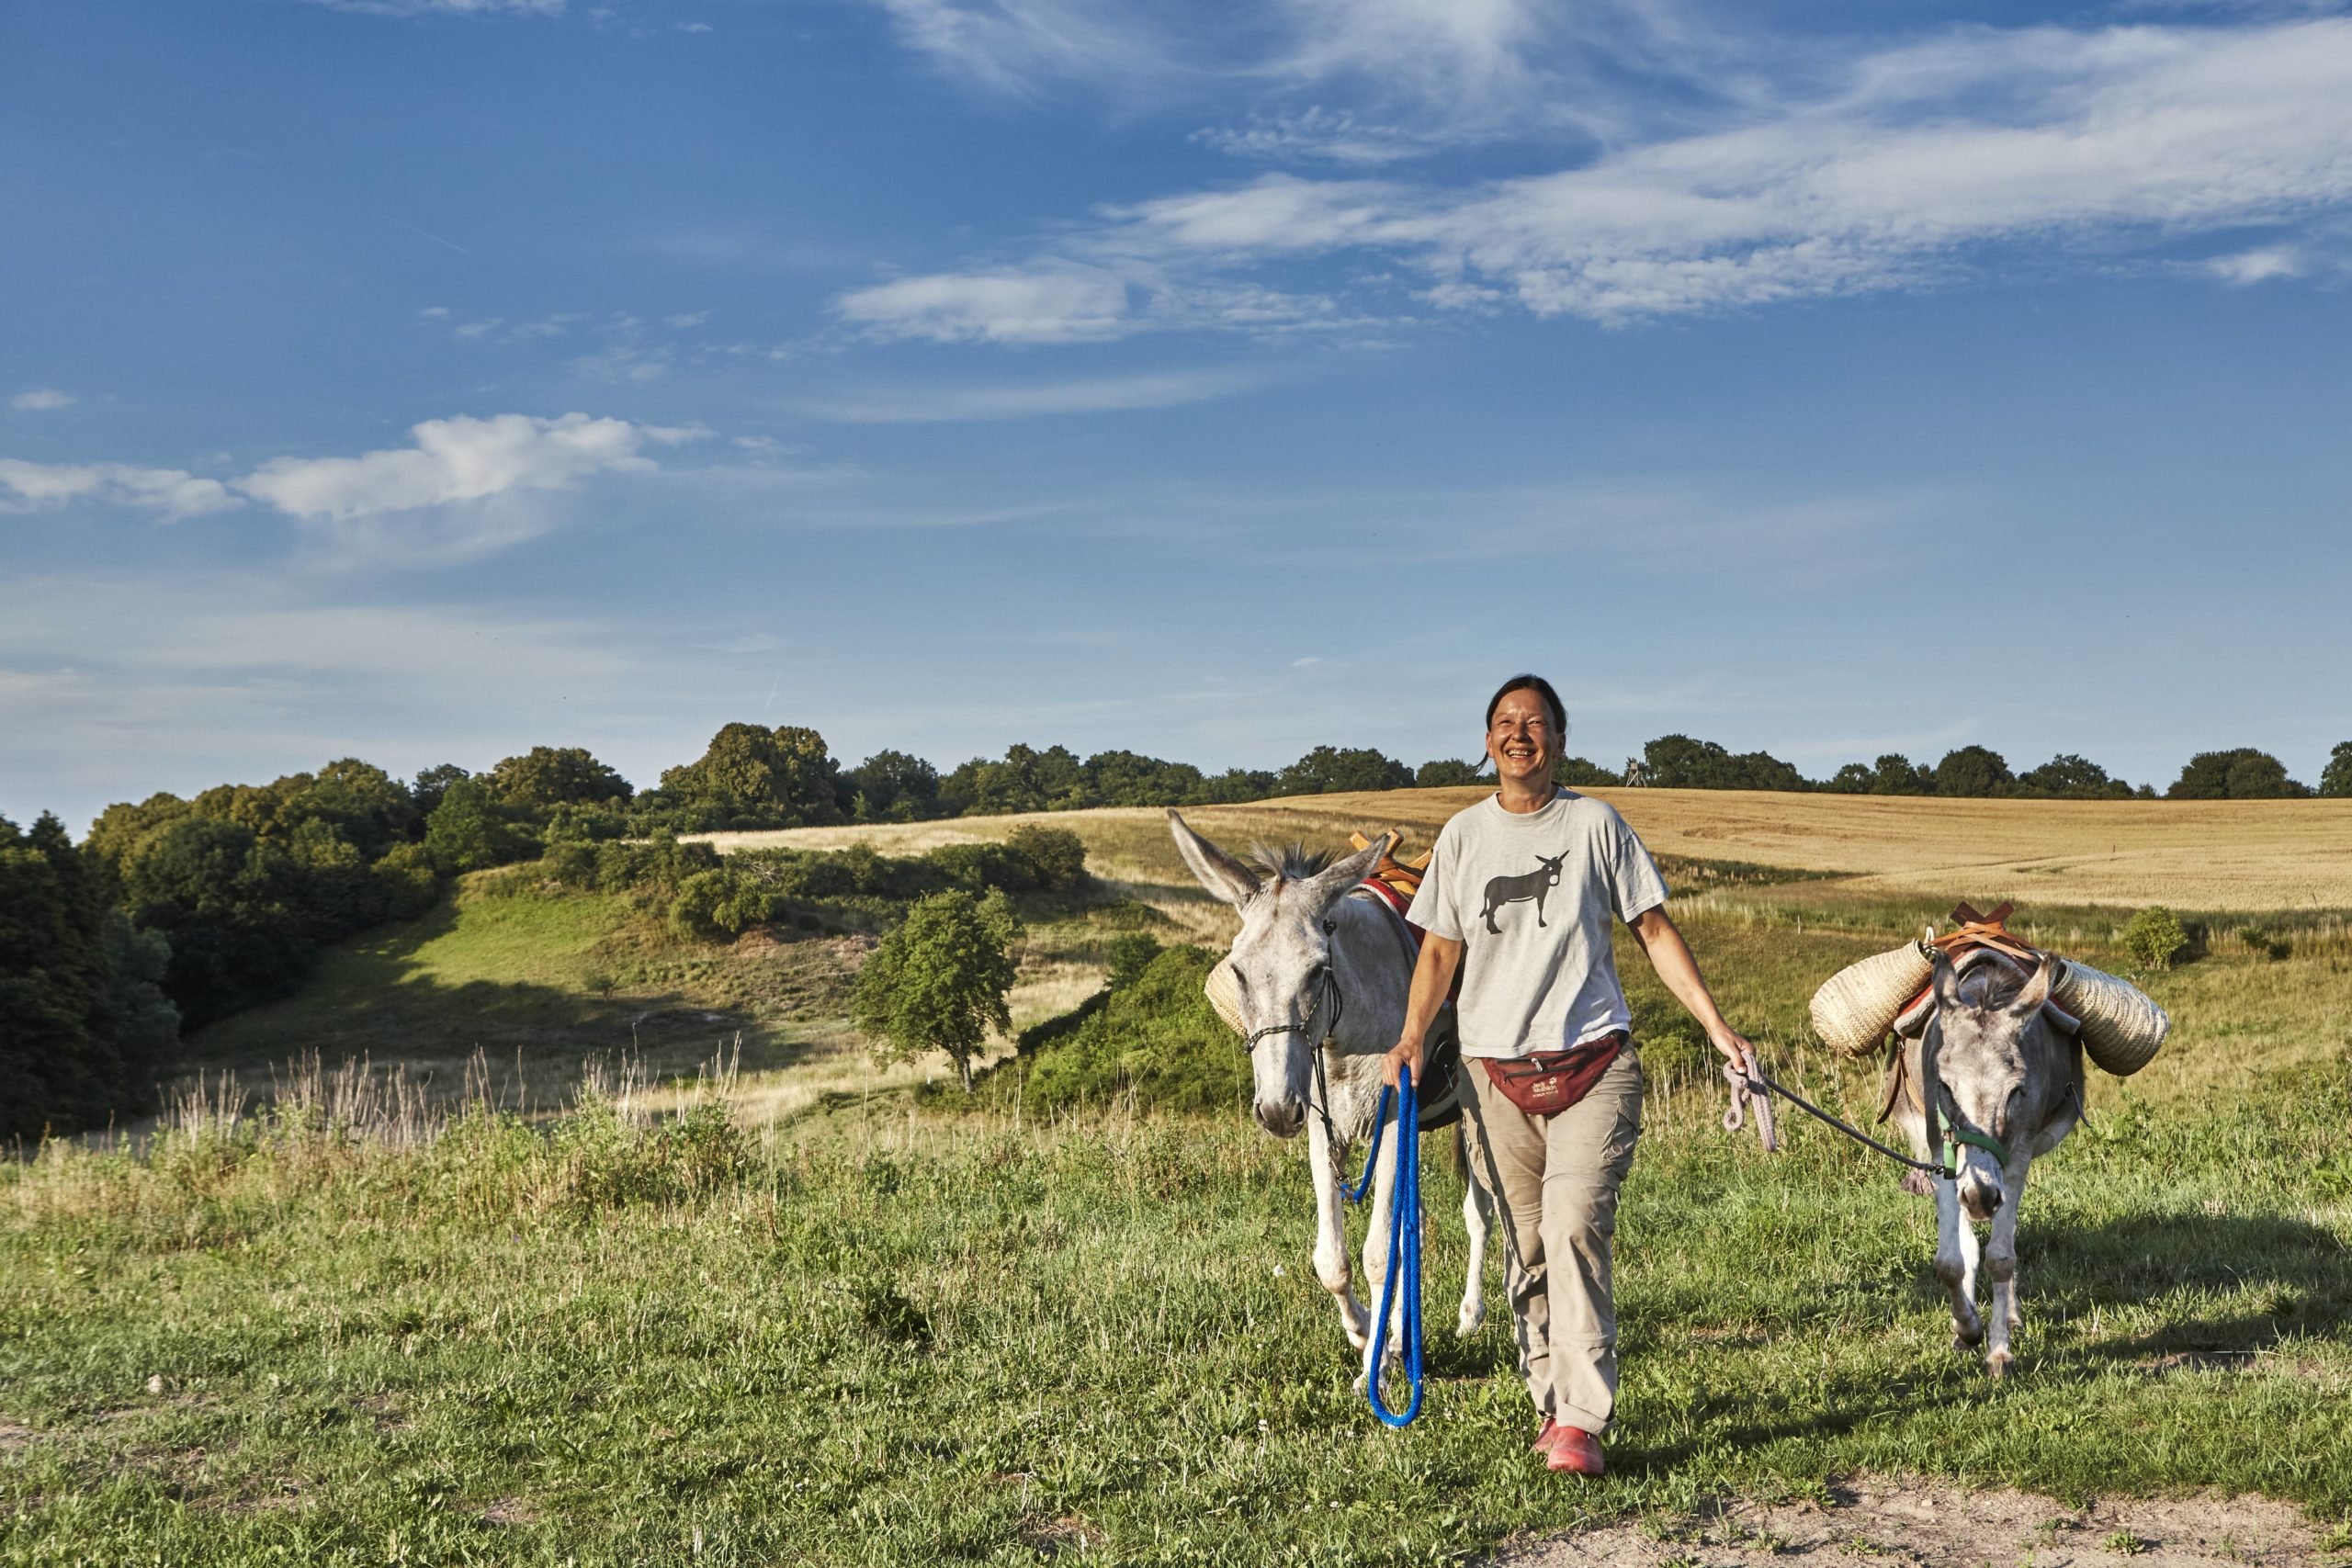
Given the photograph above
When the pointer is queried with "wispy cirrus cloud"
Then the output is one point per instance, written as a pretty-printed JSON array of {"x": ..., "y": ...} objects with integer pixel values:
[
  {"x": 1921, "y": 164},
  {"x": 1102, "y": 394},
  {"x": 42, "y": 399},
  {"x": 1051, "y": 302},
  {"x": 446, "y": 7}
]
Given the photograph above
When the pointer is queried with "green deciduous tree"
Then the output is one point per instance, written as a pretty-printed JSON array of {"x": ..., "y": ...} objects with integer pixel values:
[
  {"x": 1678, "y": 762},
  {"x": 548, "y": 776},
  {"x": 2067, "y": 776},
  {"x": 1125, "y": 778},
  {"x": 1329, "y": 769},
  {"x": 2336, "y": 781},
  {"x": 754, "y": 777},
  {"x": 1578, "y": 773},
  {"x": 1893, "y": 773},
  {"x": 470, "y": 831},
  {"x": 1025, "y": 779},
  {"x": 84, "y": 1031},
  {"x": 892, "y": 786},
  {"x": 1974, "y": 772},
  {"x": 2242, "y": 773},
  {"x": 939, "y": 981},
  {"x": 1446, "y": 773}
]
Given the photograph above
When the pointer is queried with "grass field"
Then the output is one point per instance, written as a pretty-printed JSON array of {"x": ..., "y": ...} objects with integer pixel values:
[{"x": 856, "y": 1330}]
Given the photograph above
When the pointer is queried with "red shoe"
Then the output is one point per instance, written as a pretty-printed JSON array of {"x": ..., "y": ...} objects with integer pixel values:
[
  {"x": 1546, "y": 1435},
  {"x": 1574, "y": 1449}
]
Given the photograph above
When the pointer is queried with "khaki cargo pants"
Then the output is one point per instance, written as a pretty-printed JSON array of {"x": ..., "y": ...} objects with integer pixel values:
[{"x": 1555, "y": 1179}]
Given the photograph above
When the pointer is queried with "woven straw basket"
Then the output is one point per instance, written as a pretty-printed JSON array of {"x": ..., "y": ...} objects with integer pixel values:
[
  {"x": 1225, "y": 995},
  {"x": 1857, "y": 1006},
  {"x": 2122, "y": 1026}
]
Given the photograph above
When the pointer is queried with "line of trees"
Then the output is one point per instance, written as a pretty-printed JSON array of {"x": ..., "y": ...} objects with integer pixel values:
[{"x": 179, "y": 912}]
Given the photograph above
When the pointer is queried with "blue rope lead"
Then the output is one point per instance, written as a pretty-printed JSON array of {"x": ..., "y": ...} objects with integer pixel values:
[{"x": 1404, "y": 1244}]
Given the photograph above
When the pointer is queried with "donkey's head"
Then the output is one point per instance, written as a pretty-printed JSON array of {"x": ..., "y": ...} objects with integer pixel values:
[
  {"x": 1281, "y": 960},
  {"x": 1980, "y": 1047}
]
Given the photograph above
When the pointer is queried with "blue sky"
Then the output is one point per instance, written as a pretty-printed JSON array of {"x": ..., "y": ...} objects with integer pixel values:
[{"x": 425, "y": 381}]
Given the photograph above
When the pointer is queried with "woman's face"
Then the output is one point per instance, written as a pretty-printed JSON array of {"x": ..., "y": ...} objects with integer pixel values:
[{"x": 1522, "y": 740}]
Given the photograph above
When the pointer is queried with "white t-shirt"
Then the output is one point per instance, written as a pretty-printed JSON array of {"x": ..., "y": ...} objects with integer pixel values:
[{"x": 1532, "y": 895}]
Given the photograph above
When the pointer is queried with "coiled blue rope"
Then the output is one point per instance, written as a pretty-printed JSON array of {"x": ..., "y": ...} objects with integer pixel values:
[{"x": 1404, "y": 1241}]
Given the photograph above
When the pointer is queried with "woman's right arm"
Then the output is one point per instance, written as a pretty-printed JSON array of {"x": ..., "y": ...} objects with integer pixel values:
[{"x": 1432, "y": 980}]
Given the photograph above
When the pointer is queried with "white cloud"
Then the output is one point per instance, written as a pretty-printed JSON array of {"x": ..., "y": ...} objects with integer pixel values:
[
  {"x": 1015, "y": 46},
  {"x": 1095, "y": 395},
  {"x": 1461, "y": 46},
  {"x": 2256, "y": 265},
  {"x": 1318, "y": 134},
  {"x": 457, "y": 460},
  {"x": 41, "y": 398},
  {"x": 1921, "y": 161},
  {"x": 175, "y": 492},
  {"x": 1044, "y": 304}
]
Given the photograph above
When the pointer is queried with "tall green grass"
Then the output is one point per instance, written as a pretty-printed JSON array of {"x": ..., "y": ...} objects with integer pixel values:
[{"x": 903, "y": 1339}]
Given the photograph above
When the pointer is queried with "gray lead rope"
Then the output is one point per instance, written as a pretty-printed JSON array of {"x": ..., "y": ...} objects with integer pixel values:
[{"x": 1754, "y": 1082}]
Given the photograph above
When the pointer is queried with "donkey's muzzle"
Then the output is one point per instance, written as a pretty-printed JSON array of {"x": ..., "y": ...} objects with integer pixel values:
[
  {"x": 1981, "y": 1198},
  {"x": 1282, "y": 1119}
]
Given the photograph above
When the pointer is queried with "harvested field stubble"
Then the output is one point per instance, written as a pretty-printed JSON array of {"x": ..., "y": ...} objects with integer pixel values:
[{"x": 2266, "y": 855}]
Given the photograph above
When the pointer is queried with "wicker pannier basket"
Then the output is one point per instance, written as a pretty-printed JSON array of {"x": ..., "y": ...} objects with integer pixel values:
[
  {"x": 1224, "y": 995},
  {"x": 1857, "y": 1006},
  {"x": 2122, "y": 1025}
]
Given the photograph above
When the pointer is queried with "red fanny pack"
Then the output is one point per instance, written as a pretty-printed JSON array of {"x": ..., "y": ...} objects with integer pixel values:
[{"x": 1543, "y": 1084}]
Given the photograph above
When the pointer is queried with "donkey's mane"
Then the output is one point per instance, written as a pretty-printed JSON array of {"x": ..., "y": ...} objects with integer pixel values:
[
  {"x": 1293, "y": 862},
  {"x": 1992, "y": 985}
]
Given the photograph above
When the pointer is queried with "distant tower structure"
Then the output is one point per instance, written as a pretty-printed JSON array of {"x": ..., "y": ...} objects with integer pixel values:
[{"x": 1637, "y": 772}]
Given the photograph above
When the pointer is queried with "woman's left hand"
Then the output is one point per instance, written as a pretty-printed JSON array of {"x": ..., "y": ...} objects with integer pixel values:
[{"x": 1736, "y": 1048}]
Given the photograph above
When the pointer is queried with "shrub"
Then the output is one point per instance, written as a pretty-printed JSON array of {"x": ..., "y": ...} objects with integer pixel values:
[
  {"x": 1057, "y": 856},
  {"x": 1155, "y": 1038},
  {"x": 2154, "y": 938},
  {"x": 1129, "y": 953}
]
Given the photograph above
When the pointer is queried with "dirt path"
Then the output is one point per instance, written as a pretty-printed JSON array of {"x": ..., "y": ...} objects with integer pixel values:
[{"x": 1898, "y": 1523}]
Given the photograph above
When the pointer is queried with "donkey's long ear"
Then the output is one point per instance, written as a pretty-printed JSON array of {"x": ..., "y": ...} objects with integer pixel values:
[
  {"x": 1224, "y": 876},
  {"x": 1333, "y": 881},
  {"x": 1946, "y": 981},
  {"x": 2037, "y": 989}
]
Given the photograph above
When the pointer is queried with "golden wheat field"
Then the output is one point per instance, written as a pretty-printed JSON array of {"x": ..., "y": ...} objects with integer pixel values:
[{"x": 2215, "y": 856}]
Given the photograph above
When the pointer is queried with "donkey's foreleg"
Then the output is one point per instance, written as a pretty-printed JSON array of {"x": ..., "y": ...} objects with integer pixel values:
[
  {"x": 1956, "y": 1265},
  {"x": 1477, "y": 1218},
  {"x": 1331, "y": 1234},
  {"x": 2001, "y": 1266}
]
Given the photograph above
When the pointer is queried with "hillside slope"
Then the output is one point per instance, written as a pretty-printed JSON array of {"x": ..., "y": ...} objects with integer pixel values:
[{"x": 2217, "y": 856}]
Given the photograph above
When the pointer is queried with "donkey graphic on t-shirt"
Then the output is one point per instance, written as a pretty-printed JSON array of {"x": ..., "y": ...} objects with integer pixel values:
[{"x": 1532, "y": 884}]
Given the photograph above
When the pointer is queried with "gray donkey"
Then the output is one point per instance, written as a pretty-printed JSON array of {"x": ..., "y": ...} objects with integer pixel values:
[
  {"x": 1988, "y": 1084},
  {"x": 1320, "y": 972}
]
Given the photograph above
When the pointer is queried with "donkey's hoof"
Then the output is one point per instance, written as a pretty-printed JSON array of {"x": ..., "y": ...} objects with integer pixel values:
[
  {"x": 1999, "y": 1365},
  {"x": 1467, "y": 1323},
  {"x": 1967, "y": 1335}
]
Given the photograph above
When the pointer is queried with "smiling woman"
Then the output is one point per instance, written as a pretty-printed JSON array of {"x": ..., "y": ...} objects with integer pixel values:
[{"x": 1554, "y": 1106}]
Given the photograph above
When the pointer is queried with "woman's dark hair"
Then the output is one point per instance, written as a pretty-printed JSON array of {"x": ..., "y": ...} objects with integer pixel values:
[{"x": 1542, "y": 688}]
